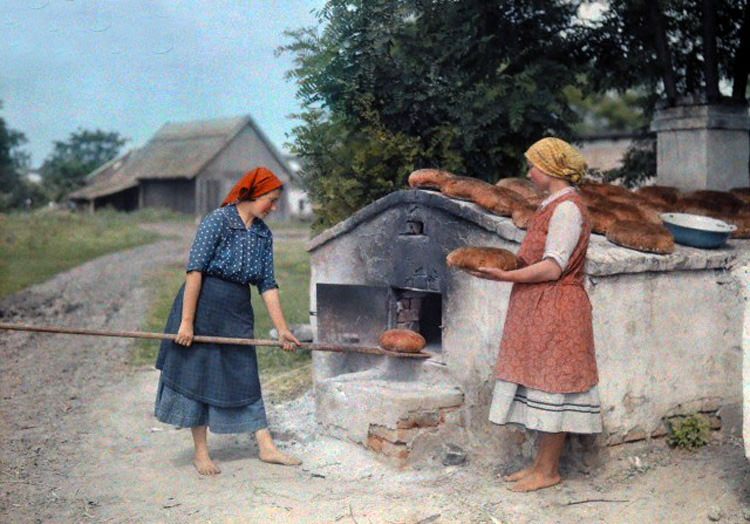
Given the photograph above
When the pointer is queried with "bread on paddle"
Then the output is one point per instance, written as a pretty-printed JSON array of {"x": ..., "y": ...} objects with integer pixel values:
[
  {"x": 402, "y": 340},
  {"x": 522, "y": 215},
  {"x": 429, "y": 178},
  {"x": 472, "y": 258},
  {"x": 641, "y": 236}
]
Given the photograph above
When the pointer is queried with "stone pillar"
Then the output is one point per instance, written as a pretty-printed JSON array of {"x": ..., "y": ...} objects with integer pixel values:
[
  {"x": 702, "y": 146},
  {"x": 741, "y": 272}
]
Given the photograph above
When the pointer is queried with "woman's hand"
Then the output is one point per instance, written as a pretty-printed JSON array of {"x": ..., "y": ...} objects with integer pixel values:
[
  {"x": 185, "y": 334},
  {"x": 491, "y": 273},
  {"x": 288, "y": 340}
]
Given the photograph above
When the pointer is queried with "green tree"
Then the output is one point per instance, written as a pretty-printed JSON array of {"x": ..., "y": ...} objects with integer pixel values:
[
  {"x": 607, "y": 112},
  {"x": 12, "y": 159},
  {"x": 65, "y": 169},
  {"x": 673, "y": 49},
  {"x": 672, "y": 52},
  {"x": 389, "y": 86}
]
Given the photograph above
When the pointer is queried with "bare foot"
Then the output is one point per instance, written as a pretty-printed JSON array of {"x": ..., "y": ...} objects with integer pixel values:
[
  {"x": 518, "y": 475},
  {"x": 277, "y": 457},
  {"x": 533, "y": 481},
  {"x": 205, "y": 465}
]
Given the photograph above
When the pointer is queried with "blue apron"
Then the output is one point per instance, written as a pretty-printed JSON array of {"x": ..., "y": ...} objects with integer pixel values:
[{"x": 221, "y": 375}]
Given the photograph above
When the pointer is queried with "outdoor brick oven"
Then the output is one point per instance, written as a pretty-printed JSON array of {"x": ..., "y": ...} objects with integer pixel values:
[{"x": 668, "y": 330}]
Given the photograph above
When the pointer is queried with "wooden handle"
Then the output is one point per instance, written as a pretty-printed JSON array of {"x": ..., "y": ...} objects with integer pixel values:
[{"x": 370, "y": 350}]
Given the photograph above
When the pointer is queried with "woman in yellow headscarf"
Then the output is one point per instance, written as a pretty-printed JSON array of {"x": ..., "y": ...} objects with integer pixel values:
[{"x": 546, "y": 371}]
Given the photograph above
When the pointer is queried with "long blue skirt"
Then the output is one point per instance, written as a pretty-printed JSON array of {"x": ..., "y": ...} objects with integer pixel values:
[{"x": 207, "y": 377}]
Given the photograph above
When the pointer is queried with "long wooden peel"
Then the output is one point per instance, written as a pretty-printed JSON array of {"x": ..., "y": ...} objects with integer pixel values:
[{"x": 370, "y": 350}]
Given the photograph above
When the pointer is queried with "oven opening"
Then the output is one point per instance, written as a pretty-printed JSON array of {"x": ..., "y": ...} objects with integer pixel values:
[{"x": 422, "y": 312}]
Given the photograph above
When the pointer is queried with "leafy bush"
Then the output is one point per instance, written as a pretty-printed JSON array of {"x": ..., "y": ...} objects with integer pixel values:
[
  {"x": 638, "y": 164},
  {"x": 689, "y": 432},
  {"x": 390, "y": 86}
]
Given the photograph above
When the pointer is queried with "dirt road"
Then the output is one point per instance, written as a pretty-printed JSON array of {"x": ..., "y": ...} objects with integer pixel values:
[{"x": 80, "y": 444}]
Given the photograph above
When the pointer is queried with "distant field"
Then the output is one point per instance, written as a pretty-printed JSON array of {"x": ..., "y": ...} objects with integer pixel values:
[
  {"x": 292, "y": 266},
  {"x": 35, "y": 246}
]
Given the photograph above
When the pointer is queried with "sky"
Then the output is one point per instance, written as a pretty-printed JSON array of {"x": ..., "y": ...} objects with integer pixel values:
[{"x": 132, "y": 65}]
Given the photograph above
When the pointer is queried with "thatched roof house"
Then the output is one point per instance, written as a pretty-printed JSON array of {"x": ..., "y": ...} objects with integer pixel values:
[{"x": 186, "y": 166}]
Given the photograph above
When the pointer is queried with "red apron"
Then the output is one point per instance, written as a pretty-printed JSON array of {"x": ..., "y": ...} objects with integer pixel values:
[{"x": 548, "y": 338}]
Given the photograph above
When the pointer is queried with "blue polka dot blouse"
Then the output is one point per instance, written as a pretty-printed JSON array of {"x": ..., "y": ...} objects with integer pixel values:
[{"x": 225, "y": 248}]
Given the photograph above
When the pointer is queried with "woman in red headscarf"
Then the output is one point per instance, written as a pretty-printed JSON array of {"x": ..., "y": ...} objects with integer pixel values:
[{"x": 216, "y": 385}]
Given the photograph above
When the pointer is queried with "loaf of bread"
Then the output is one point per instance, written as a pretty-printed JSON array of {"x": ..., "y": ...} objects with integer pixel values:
[
  {"x": 497, "y": 200},
  {"x": 601, "y": 219},
  {"x": 519, "y": 185},
  {"x": 713, "y": 202},
  {"x": 522, "y": 215},
  {"x": 743, "y": 193},
  {"x": 663, "y": 195},
  {"x": 429, "y": 178},
  {"x": 605, "y": 190},
  {"x": 402, "y": 340},
  {"x": 642, "y": 236},
  {"x": 472, "y": 258},
  {"x": 465, "y": 188}
]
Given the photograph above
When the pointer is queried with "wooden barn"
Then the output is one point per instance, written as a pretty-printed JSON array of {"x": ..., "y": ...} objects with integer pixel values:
[{"x": 186, "y": 166}]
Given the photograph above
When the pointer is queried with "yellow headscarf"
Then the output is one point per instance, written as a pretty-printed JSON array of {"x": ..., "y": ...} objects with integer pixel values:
[{"x": 555, "y": 157}]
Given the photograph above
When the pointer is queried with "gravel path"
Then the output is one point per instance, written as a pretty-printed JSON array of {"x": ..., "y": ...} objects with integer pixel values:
[{"x": 79, "y": 442}]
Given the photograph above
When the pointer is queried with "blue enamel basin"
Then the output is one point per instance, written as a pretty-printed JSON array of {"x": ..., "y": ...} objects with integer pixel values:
[{"x": 697, "y": 230}]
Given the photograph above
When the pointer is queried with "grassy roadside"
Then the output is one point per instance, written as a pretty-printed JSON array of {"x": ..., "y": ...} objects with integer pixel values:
[
  {"x": 35, "y": 246},
  {"x": 283, "y": 374}
]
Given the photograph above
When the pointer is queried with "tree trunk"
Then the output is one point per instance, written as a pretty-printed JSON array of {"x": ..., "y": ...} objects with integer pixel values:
[
  {"x": 742, "y": 59},
  {"x": 662, "y": 51},
  {"x": 710, "y": 59}
]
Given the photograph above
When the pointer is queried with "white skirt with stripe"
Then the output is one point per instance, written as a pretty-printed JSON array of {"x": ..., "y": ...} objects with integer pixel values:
[{"x": 543, "y": 411}]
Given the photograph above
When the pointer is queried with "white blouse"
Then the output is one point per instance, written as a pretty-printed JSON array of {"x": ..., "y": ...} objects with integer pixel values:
[{"x": 564, "y": 229}]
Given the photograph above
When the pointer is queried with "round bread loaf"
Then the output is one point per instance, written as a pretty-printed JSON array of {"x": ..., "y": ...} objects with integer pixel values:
[
  {"x": 429, "y": 178},
  {"x": 663, "y": 195},
  {"x": 641, "y": 236},
  {"x": 649, "y": 212},
  {"x": 606, "y": 190},
  {"x": 624, "y": 211},
  {"x": 601, "y": 219},
  {"x": 498, "y": 200},
  {"x": 472, "y": 258},
  {"x": 521, "y": 186},
  {"x": 741, "y": 220},
  {"x": 721, "y": 202},
  {"x": 402, "y": 340},
  {"x": 535, "y": 200},
  {"x": 743, "y": 193},
  {"x": 700, "y": 206},
  {"x": 465, "y": 188},
  {"x": 522, "y": 215},
  {"x": 591, "y": 198}
]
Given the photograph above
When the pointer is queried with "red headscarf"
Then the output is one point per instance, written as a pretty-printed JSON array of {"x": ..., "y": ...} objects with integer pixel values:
[{"x": 255, "y": 183}]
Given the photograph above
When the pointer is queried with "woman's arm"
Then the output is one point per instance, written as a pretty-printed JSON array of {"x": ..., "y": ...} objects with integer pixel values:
[
  {"x": 543, "y": 271},
  {"x": 271, "y": 299},
  {"x": 193, "y": 282}
]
